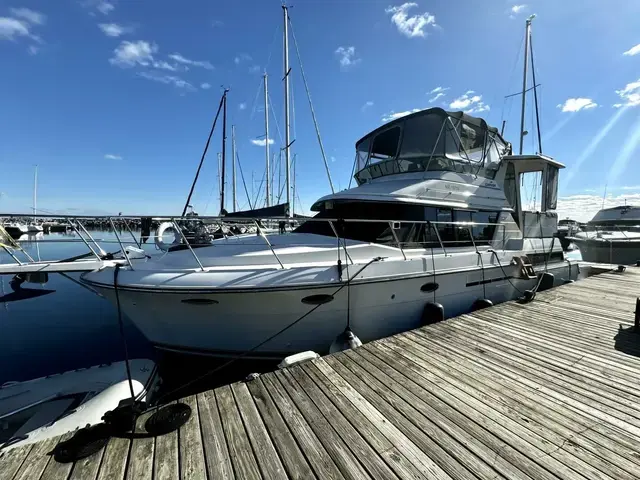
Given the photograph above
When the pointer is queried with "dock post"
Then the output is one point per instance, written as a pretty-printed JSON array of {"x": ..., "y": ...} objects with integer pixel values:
[{"x": 636, "y": 323}]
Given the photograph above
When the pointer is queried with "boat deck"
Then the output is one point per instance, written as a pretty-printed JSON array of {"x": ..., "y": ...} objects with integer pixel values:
[{"x": 544, "y": 390}]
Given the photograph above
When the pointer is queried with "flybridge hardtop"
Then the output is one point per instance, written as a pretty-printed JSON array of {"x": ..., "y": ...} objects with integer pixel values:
[{"x": 431, "y": 140}]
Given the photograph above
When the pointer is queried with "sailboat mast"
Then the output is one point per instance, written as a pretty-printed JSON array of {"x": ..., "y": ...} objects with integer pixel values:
[
  {"x": 35, "y": 194},
  {"x": 220, "y": 176},
  {"x": 524, "y": 80},
  {"x": 535, "y": 93},
  {"x": 224, "y": 149},
  {"x": 266, "y": 135},
  {"x": 287, "y": 141},
  {"x": 234, "y": 205}
]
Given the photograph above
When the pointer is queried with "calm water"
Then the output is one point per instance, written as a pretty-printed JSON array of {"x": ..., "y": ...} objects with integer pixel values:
[{"x": 67, "y": 329}]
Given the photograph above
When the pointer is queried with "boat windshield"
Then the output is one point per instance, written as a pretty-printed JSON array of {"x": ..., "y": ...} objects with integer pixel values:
[{"x": 433, "y": 140}]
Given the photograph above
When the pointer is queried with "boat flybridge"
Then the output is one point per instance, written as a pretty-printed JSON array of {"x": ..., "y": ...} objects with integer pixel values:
[{"x": 436, "y": 219}]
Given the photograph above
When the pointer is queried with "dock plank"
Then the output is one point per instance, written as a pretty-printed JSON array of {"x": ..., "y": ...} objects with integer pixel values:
[
  {"x": 142, "y": 450},
  {"x": 358, "y": 444},
  {"x": 240, "y": 450},
  {"x": 213, "y": 441},
  {"x": 549, "y": 426},
  {"x": 87, "y": 468},
  {"x": 268, "y": 460},
  {"x": 292, "y": 457},
  {"x": 314, "y": 450},
  {"x": 339, "y": 451},
  {"x": 114, "y": 461},
  {"x": 165, "y": 457},
  {"x": 470, "y": 360},
  {"x": 55, "y": 470},
  {"x": 37, "y": 460},
  {"x": 400, "y": 464},
  {"x": 12, "y": 460},
  {"x": 192, "y": 464},
  {"x": 539, "y": 436}
]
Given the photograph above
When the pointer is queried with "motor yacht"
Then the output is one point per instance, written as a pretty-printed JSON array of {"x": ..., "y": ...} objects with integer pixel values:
[
  {"x": 612, "y": 236},
  {"x": 436, "y": 217}
]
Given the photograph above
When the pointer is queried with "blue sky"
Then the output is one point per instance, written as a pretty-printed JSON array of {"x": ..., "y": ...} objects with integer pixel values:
[{"x": 114, "y": 99}]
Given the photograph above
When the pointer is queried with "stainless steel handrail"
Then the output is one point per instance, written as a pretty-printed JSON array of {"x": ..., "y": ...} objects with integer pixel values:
[
  {"x": 264, "y": 237},
  {"x": 244, "y": 221},
  {"x": 122, "y": 249},
  {"x": 175, "y": 225}
]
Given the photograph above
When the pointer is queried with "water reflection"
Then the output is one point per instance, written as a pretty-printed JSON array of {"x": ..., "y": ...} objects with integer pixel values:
[{"x": 69, "y": 328}]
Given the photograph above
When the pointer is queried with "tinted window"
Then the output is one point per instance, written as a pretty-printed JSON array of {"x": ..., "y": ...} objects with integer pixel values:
[
  {"x": 405, "y": 231},
  {"x": 385, "y": 144}
]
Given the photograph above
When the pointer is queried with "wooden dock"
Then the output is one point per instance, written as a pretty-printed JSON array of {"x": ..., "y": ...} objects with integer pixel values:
[{"x": 546, "y": 390}]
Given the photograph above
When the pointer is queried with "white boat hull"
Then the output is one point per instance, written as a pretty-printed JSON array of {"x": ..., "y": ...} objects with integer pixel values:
[{"x": 226, "y": 323}]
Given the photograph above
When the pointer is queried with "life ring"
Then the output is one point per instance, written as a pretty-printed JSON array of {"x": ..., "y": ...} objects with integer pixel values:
[{"x": 160, "y": 233}]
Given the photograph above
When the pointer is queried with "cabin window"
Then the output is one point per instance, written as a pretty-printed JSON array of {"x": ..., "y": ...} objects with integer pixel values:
[
  {"x": 419, "y": 139},
  {"x": 408, "y": 233},
  {"x": 551, "y": 188},
  {"x": 483, "y": 234},
  {"x": 385, "y": 144},
  {"x": 510, "y": 186},
  {"x": 362, "y": 152},
  {"x": 531, "y": 191}
]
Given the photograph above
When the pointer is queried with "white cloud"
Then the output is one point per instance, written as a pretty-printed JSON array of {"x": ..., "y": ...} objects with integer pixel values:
[
  {"x": 10, "y": 28},
  {"x": 243, "y": 57},
  {"x": 469, "y": 103},
  {"x": 261, "y": 142},
  {"x": 20, "y": 25},
  {"x": 436, "y": 97},
  {"x": 633, "y": 51},
  {"x": 104, "y": 7},
  {"x": 395, "y": 115},
  {"x": 366, "y": 105},
  {"x": 347, "y": 56},
  {"x": 516, "y": 9},
  {"x": 31, "y": 16},
  {"x": 254, "y": 69},
  {"x": 162, "y": 65},
  {"x": 114, "y": 30},
  {"x": 242, "y": 106},
  {"x": 439, "y": 90},
  {"x": 577, "y": 104},
  {"x": 630, "y": 95},
  {"x": 192, "y": 63},
  {"x": 582, "y": 207},
  {"x": 110, "y": 156},
  {"x": 130, "y": 54},
  {"x": 414, "y": 26},
  {"x": 217, "y": 23},
  {"x": 168, "y": 79},
  {"x": 205, "y": 86}
]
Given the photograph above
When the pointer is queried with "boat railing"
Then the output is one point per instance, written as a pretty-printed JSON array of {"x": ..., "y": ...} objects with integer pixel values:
[
  {"x": 623, "y": 229},
  {"x": 120, "y": 225}
]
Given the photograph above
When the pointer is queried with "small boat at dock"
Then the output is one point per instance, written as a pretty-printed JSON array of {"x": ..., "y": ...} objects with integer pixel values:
[{"x": 50, "y": 406}]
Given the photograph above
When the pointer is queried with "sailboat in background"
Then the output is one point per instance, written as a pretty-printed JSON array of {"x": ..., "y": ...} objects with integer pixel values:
[
  {"x": 34, "y": 227},
  {"x": 17, "y": 229}
]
